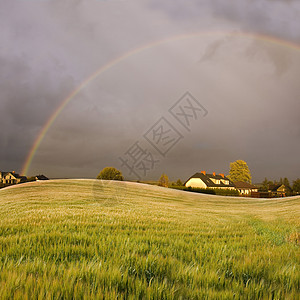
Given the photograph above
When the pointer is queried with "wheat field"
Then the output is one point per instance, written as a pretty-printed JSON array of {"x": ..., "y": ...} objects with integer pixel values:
[{"x": 92, "y": 239}]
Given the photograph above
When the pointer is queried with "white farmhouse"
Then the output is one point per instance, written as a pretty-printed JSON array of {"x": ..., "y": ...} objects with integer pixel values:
[
  {"x": 212, "y": 181},
  {"x": 11, "y": 178},
  {"x": 245, "y": 188}
]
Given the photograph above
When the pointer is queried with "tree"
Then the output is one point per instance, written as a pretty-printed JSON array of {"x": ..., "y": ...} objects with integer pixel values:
[
  {"x": 296, "y": 186},
  {"x": 32, "y": 178},
  {"x": 265, "y": 184},
  {"x": 239, "y": 171},
  {"x": 179, "y": 182},
  {"x": 110, "y": 173},
  {"x": 286, "y": 183},
  {"x": 163, "y": 180}
]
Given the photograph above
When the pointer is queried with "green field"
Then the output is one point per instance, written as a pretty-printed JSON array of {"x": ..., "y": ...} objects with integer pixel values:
[{"x": 81, "y": 239}]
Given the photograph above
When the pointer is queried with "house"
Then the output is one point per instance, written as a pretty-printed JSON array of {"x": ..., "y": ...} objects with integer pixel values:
[
  {"x": 212, "y": 181},
  {"x": 41, "y": 177},
  {"x": 278, "y": 190},
  {"x": 8, "y": 178},
  {"x": 245, "y": 188}
]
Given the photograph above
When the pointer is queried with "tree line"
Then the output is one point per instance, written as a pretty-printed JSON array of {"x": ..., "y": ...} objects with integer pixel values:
[
  {"x": 292, "y": 188},
  {"x": 239, "y": 171}
]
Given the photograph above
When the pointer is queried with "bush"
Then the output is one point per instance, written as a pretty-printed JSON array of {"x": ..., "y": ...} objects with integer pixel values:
[
  {"x": 221, "y": 192},
  {"x": 32, "y": 178},
  {"x": 296, "y": 186},
  {"x": 179, "y": 183},
  {"x": 227, "y": 192},
  {"x": 163, "y": 180},
  {"x": 110, "y": 173},
  {"x": 195, "y": 190}
]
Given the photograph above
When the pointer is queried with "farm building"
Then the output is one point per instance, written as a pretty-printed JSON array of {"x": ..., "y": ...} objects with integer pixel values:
[
  {"x": 11, "y": 178},
  {"x": 41, "y": 177},
  {"x": 245, "y": 188},
  {"x": 212, "y": 181},
  {"x": 278, "y": 190}
]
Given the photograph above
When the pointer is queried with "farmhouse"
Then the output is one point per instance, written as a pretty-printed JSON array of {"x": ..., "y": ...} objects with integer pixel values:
[
  {"x": 11, "y": 178},
  {"x": 245, "y": 188},
  {"x": 41, "y": 177},
  {"x": 212, "y": 181},
  {"x": 278, "y": 190}
]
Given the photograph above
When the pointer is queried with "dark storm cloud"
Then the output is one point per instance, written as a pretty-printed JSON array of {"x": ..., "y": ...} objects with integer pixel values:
[
  {"x": 38, "y": 68},
  {"x": 25, "y": 107},
  {"x": 250, "y": 88}
]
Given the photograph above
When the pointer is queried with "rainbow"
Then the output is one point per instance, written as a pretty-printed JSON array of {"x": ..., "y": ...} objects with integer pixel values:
[{"x": 117, "y": 60}]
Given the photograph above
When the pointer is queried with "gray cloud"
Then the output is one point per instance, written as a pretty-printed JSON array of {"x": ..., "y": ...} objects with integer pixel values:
[
  {"x": 278, "y": 18},
  {"x": 249, "y": 86}
]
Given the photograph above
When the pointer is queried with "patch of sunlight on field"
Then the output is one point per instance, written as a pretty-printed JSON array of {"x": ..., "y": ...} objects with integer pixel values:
[{"x": 83, "y": 239}]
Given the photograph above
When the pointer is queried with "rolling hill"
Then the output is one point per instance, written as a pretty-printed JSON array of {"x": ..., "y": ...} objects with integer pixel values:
[{"x": 83, "y": 239}]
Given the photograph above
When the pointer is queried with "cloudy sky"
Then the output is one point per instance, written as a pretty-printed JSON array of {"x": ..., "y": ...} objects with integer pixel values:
[{"x": 239, "y": 60}]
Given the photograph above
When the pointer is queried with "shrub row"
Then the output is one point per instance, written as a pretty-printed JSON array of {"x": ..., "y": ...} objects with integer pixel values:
[
  {"x": 222, "y": 192},
  {"x": 227, "y": 192}
]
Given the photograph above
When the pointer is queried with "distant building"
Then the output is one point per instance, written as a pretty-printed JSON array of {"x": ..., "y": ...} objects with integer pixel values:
[
  {"x": 8, "y": 178},
  {"x": 278, "y": 190},
  {"x": 245, "y": 188},
  {"x": 41, "y": 177},
  {"x": 212, "y": 181}
]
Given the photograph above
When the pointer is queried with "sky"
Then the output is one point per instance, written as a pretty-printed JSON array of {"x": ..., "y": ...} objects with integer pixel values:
[{"x": 231, "y": 68}]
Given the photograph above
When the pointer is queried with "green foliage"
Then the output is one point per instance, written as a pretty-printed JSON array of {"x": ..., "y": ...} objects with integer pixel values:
[
  {"x": 30, "y": 179},
  {"x": 195, "y": 190},
  {"x": 221, "y": 192},
  {"x": 163, "y": 180},
  {"x": 266, "y": 184},
  {"x": 110, "y": 173},
  {"x": 296, "y": 186},
  {"x": 58, "y": 241},
  {"x": 239, "y": 171},
  {"x": 227, "y": 192},
  {"x": 179, "y": 182},
  {"x": 286, "y": 183}
]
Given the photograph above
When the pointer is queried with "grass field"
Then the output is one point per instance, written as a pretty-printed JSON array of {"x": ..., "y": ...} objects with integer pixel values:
[{"x": 83, "y": 239}]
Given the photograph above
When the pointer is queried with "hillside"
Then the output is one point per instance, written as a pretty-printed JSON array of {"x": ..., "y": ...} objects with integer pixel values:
[{"x": 64, "y": 239}]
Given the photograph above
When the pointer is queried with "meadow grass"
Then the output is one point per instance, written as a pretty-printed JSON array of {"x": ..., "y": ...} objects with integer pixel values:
[{"x": 87, "y": 239}]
